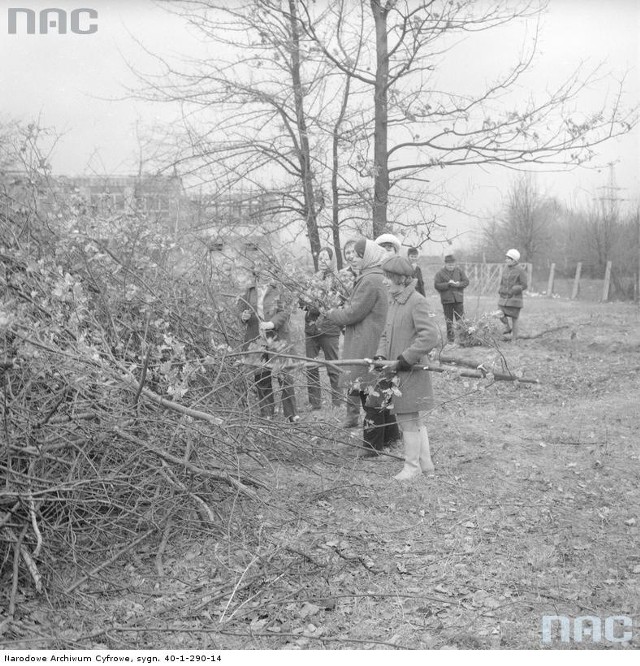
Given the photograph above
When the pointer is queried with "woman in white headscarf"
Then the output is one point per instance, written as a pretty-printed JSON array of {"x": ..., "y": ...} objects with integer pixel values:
[{"x": 364, "y": 316}]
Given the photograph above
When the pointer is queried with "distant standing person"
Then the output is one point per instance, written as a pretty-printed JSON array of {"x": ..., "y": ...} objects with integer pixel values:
[
  {"x": 451, "y": 282},
  {"x": 512, "y": 284},
  {"x": 412, "y": 255}
]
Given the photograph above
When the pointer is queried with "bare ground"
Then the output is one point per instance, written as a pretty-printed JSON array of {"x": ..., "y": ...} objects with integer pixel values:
[{"x": 533, "y": 511}]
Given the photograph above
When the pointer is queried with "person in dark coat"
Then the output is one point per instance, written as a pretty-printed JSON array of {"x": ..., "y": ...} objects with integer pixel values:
[
  {"x": 321, "y": 334},
  {"x": 412, "y": 255},
  {"x": 512, "y": 283},
  {"x": 410, "y": 333},
  {"x": 363, "y": 317},
  {"x": 451, "y": 281},
  {"x": 263, "y": 311}
]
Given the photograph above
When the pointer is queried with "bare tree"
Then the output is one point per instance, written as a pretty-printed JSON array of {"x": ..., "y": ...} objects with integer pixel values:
[
  {"x": 421, "y": 123},
  {"x": 527, "y": 221}
]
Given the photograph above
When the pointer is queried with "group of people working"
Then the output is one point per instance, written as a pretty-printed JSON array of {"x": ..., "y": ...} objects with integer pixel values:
[{"x": 388, "y": 333}]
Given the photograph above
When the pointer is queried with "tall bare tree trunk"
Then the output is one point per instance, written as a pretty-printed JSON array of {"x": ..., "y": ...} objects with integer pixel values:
[
  {"x": 380, "y": 156},
  {"x": 304, "y": 153},
  {"x": 335, "y": 165}
]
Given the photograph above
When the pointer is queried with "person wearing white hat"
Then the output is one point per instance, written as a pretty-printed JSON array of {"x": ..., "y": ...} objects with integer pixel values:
[
  {"x": 389, "y": 243},
  {"x": 512, "y": 284}
]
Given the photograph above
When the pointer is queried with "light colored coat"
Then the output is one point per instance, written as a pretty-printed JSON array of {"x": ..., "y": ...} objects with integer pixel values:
[{"x": 412, "y": 333}]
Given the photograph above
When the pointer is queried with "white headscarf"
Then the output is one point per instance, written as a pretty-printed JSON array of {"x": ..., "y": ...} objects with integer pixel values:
[{"x": 373, "y": 255}]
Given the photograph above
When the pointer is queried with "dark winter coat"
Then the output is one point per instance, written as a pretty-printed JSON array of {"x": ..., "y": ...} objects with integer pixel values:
[
  {"x": 274, "y": 309},
  {"x": 512, "y": 284},
  {"x": 363, "y": 315},
  {"x": 449, "y": 294},
  {"x": 410, "y": 333}
]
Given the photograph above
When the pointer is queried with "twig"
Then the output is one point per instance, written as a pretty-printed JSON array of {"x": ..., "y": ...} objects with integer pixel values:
[
  {"x": 169, "y": 404},
  {"x": 28, "y": 560},
  {"x": 16, "y": 572},
  {"x": 235, "y": 588},
  {"x": 170, "y": 477},
  {"x": 254, "y": 634},
  {"x": 111, "y": 560},
  {"x": 307, "y": 556},
  {"x": 539, "y": 335},
  {"x": 220, "y": 476},
  {"x": 162, "y": 546}
]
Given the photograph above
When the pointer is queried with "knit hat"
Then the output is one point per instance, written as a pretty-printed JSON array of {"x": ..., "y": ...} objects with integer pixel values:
[
  {"x": 449, "y": 259},
  {"x": 389, "y": 239},
  {"x": 397, "y": 265},
  {"x": 360, "y": 246},
  {"x": 513, "y": 254}
]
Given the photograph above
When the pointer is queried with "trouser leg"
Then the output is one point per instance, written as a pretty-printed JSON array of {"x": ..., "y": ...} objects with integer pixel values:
[
  {"x": 312, "y": 349},
  {"x": 353, "y": 409},
  {"x": 264, "y": 388},
  {"x": 288, "y": 395},
  {"x": 391, "y": 429},
  {"x": 448, "y": 316},
  {"x": 458, "y": 314},
  {"x": 330, "y": 345}
]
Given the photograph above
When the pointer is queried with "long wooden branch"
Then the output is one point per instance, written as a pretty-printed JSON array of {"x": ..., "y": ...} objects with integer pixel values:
[
  {"x": 169, "y": 404},
  {"x": 310, "y": 363}
]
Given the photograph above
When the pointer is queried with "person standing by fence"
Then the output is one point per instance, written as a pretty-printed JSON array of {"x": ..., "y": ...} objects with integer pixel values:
[
  {"x": 451, "y": 282},
  {"x": 512, "y": 284}
]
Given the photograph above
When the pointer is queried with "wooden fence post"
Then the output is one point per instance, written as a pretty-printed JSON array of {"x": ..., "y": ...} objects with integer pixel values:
[
  {"x": 607, "y": 281},
  {"x": 576, "y": 281},
  {"x": 552, "y": 273}
]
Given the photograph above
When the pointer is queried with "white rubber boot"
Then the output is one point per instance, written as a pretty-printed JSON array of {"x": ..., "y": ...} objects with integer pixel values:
[
  {"x": 411, "y": 469},
  {"x": 426, "y": 464}
]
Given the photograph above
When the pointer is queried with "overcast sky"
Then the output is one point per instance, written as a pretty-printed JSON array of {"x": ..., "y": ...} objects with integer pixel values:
[{"x": 67, "y": 82}]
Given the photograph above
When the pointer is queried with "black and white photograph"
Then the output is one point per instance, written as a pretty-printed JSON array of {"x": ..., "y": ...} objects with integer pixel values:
[{"x": 319, "y": 329}]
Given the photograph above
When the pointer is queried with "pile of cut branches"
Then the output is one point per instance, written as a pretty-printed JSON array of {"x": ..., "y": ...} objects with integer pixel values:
[{"x": 121, "y": 412}]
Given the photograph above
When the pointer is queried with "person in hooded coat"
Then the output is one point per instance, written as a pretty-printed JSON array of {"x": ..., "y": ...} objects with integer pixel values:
[{"x": 363, "y": 317}]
